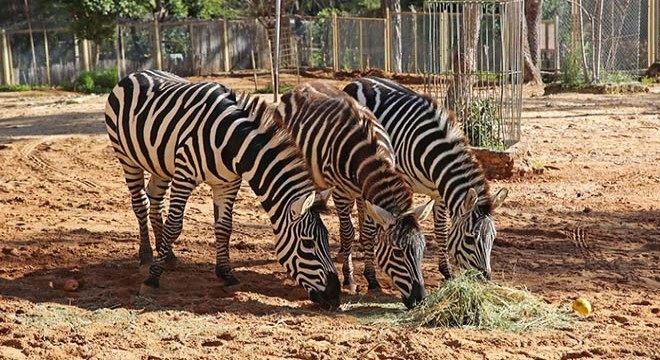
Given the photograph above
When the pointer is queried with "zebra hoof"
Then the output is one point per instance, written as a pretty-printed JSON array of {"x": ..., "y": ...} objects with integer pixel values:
[
  {"x": 149, "y": 287},
  {"x": 170, "y": 262},
  {"x": 351, "y": 288},
  {"x": 230, "y": 282},
  {"x": 374, "y": 287},
  {"x": 146, "y": 258}
]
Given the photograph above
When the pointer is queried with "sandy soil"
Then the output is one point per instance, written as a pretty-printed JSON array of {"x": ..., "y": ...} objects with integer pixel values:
[{"x": 589, "y": 225}]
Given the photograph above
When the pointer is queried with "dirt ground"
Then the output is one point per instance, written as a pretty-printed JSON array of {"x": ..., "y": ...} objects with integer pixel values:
[{"x": 588, "y": 226}]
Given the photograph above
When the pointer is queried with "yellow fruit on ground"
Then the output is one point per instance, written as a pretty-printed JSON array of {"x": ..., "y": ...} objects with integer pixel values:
[{"x": 582, "y": 306}]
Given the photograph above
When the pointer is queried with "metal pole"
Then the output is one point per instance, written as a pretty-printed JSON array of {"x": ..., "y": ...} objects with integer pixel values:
[
  {"x": 276, "y": 60},
  {"x": 158, "y": 58},
  {"x": 225, "y": 38},
  {"x": 6, "y": 64}
]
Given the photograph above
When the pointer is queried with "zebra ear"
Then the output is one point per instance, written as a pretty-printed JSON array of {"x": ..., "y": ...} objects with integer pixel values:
[
  {"x": 381, "y": 216},
  {"x": 470, "y": 201},
  {"x": 499, "y": 197},
  {"x": 423, "y": 211},
  {"x": 324, "y": 195},
  {"x": 302, "y": 204}
]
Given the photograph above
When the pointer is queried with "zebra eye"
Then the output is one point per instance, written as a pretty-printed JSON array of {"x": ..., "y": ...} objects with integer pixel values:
[
  {"x": 398, "y": 253},
  {"x": 308, "y": 243}
]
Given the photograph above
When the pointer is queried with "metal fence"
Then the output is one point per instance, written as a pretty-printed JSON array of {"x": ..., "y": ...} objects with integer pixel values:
[
  {"x": 194, "y": 47},
  {"x": 608, "y": 31}
]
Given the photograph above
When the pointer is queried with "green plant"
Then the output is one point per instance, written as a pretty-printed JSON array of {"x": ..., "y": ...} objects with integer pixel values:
[
  {"x": 483, "y": 124},
  {"x": 571, "y": 69},
  {"x": 648, "y": 80},
  {"x": 96, "y": 81},
  {"x": 615, "y": 77},
  {"x": 21, "y": 87},
  {"x": 268, "y": 89}
]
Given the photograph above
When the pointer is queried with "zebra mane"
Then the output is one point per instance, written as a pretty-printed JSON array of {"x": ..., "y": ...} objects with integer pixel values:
[
  {"x": 452, "y": 130},
  {"x": 261, "y": 112}
]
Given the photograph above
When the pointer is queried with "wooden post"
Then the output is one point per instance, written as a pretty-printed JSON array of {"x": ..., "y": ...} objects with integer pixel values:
[
  {"x": 122, "y": 46},
  {"x": 386, "y": 40},
  {"x": 158, "y": 57},
  {"x": 6, "y": 62},
  {"x": 118, "y": 52},
  {"x": 414, "y": 15},
  {"x": 225, "y": 35},
  {"x": 653, "y": 29},
  {"x": 192, "y": 49},
  {"x": 84, "y": 50},
  {"x": 47, "y": 55},
  {"x": 335, "y": 44},
  {"x": 254, "y": 69},
  {"x": 360, "y": 44},
  {"x": 311, "y": 44}
]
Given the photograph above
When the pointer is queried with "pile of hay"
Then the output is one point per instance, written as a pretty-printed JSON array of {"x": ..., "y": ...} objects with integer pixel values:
[{"x": 469, "y": 302}]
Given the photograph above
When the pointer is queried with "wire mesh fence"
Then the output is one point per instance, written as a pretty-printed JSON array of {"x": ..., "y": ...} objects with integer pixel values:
[{"x": 600, "y": 37}]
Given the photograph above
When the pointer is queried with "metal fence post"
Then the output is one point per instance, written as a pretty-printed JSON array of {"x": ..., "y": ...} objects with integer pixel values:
[
  {"x": 386, "y": 42},
  {"x": 360, "y": 45},
  {"x": 653, "y": 28},
  {"x": 158, "y": 58},
  {"x": 192, "y": 49},
  {"x": 6, "y": 65}
]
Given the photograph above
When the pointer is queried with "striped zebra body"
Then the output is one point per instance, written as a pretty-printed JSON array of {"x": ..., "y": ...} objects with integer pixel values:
[
  {"x": 434, "y": 155},
  {"x": 184, "y": 134},
  {"x": 348, "y": 151}
]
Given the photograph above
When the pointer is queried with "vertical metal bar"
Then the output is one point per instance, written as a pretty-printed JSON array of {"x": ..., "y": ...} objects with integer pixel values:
[
  {"x": 192, "y": 49},
  {"x": 335, "y": 58},
  {"x": 360, "y": 43}
]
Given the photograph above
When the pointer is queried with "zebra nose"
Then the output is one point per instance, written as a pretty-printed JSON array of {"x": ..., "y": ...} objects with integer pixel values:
[
  {"x": 417, "y": 294},
  {"x": 330, "y": 297}
]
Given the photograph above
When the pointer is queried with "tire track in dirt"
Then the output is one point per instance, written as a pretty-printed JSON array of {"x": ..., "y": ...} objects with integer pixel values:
[{"x": 30, "y": 153}]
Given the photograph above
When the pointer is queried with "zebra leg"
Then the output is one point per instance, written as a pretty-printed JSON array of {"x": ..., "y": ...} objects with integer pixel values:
[
  {"x": 181, "y": 189},
  {"x": 156, "y": 190},
  {"x": 367, "y": 238},
  {"x": 223, "y": 203},
  {"x": 440, "y": 231},
  {"x": 135, "y": 180},
  {"x": 344, "y": 205}
]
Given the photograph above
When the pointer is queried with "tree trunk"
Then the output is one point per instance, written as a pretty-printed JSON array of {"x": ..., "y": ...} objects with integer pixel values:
[
  {"x": 531, "y": 46},
  {"x": 459, "y": 94}
]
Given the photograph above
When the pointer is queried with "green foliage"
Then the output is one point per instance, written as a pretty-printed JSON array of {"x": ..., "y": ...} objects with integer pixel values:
[
  {"x": 615, "y": 77},
  {"x": 268, "y": 89},
  {"x": 97, "y": 82},
  {"x": 21, "y": 87},
  {"x": 483, "y": 124},
  {"x": 648, "y": 80},
  {"x": 572, "y": 72},
  {"x": 550, "y": 8}
]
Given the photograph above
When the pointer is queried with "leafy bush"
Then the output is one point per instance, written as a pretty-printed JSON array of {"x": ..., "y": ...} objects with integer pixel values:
[
  {"x": 483, "y": 124},
  {"x": 571, "y": 67},
  {"x": 616, "y": 77},
  {"x": 97, "y": 82},
  {"x": 21, "y": 87}
]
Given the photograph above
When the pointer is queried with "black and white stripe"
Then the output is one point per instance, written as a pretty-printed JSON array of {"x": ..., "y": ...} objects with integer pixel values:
[
  {"x": 433, "y": 153},
  {"x": 348, "y": 151},
  {"x": 184, "y": 134}
]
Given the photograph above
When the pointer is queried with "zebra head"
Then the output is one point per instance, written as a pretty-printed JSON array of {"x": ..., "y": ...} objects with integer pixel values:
[
  {"x": 473, "y": 232},
  {"x": 304, "y": 251},
  {"x": 400, "y": 248}
]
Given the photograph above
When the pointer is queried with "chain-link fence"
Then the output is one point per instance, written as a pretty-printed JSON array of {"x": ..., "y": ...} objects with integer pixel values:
[{"x": 600, "y": 37}]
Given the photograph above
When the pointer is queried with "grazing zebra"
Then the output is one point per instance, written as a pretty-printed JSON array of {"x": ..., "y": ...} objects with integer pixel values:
[
  {"x": 349, "y": 152},
  {"x": 433, "y": 153},
  {"x": 184, "y": 134}
]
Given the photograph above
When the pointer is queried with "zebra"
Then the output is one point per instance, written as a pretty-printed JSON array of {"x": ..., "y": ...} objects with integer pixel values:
[
  {"x": 350, "y": 153},
  {"x": 186, "y": 133},
  {"x": 434, "y": 155}
]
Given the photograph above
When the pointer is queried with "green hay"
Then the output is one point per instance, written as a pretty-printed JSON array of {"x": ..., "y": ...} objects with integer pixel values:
[{"x": 469, "y": 302}]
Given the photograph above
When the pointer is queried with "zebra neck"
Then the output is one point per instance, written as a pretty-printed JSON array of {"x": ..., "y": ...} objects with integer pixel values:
[
  {"x": 387, "y": 189},
  {"x": 274, "y": 170},
  {"x": 460, "y": 173}
]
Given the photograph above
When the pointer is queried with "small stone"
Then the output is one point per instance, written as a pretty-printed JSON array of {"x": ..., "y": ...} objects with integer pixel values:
[
  {"x": 586, "y": 210},
  {"x": 10, "y": 251},
  {"x": 620, "y": 319}
]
